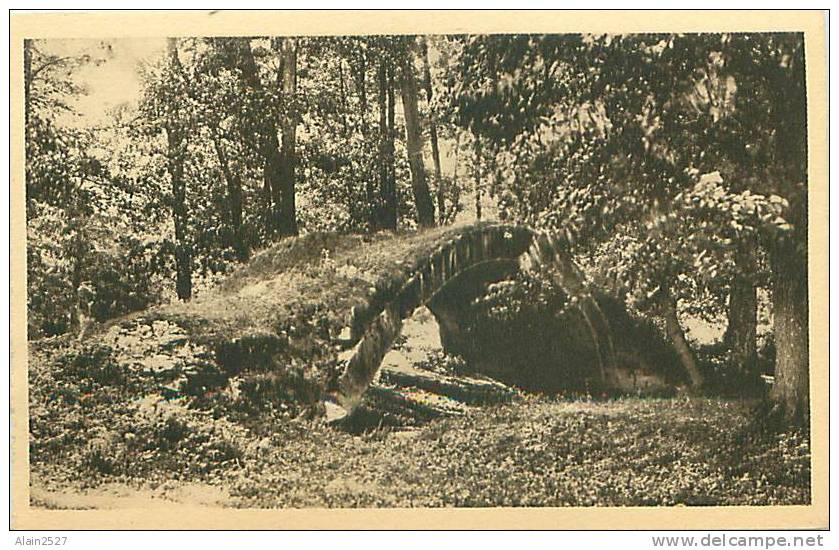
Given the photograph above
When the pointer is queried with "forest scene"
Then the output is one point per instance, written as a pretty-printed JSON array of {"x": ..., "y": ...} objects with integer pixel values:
[{"x": 417, "y": 271}]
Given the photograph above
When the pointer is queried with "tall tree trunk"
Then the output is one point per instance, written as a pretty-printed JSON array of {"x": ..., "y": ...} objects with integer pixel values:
[
  {"x": 741, "y": 333},
  {"x": 456, "y": 190},
  {"x": 271, "y": 167},
  {"x": 177, "y": 147},
  {"x": 370, "y": 178},
  {"x": 495, "y": 186},
  {"x": 413, "y": 137},
  {"x": 361, "y": 84},
  {"x": 676, "y": 334},
  {"x": 477, "y": 176},
  {"x": 789, "y": 254},
  {"x": 78, "y": 252},
  {"x": 390, "y": 200},
  {"x": 790, "y": 308},
  {"x": 374, "y": 200},
  {"x": 343, "y": 93},
  {"x": 234, "y": 204},
  {"x": 432, "y": 129},
  {"x": 791, "y": 390},
  {"x": 284, "y": 195}
]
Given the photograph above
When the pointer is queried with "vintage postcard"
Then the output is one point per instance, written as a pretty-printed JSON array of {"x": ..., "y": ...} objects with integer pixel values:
[{"x": 419, "y": 270}]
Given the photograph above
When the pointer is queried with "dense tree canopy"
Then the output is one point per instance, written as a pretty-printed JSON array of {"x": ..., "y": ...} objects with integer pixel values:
[{"x": 680, "y": 158}]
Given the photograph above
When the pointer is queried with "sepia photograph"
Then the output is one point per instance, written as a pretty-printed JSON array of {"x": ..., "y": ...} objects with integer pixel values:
[{"x": 409, "y": 268}]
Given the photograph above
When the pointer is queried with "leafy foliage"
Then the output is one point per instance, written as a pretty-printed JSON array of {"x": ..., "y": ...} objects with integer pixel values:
[
  {"x": 100, "y": 199},
  {"x": 657, "y": 157}
]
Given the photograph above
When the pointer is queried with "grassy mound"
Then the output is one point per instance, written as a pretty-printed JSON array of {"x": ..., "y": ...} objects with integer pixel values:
[{"x": 264, "y": 341}]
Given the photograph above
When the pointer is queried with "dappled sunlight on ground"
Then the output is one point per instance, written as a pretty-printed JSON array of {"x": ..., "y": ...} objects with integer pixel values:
[{"x": 420, "y": 337}]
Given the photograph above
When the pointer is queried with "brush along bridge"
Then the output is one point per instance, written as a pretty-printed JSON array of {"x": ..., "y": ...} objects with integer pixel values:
[{"x": 456, "y": 270}]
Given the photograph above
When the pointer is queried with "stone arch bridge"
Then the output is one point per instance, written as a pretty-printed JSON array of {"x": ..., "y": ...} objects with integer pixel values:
[{"x": 458, "y": 270}]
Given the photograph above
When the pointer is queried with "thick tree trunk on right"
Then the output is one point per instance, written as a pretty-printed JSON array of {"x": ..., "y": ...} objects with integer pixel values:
[
  {"x": 790, "y": 304},
  {"x": 789, "y": 252},
  {"x": 741, "y": 333},
  {"x": 676, "y": 334},
  {"x": 413, "y": 135}
]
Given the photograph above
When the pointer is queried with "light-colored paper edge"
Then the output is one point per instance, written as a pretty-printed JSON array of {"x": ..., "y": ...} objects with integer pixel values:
[{"x": 253, "y": 23}]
